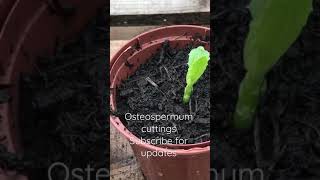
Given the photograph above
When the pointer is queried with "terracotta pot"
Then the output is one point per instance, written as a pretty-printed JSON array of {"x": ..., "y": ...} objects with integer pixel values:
[
  {"x": 31, "y": 30},
  {"x": 192, "y": 161}
]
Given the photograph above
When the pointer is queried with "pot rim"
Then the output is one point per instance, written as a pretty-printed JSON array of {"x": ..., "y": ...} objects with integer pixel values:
[{"x": 133, "y": 41}]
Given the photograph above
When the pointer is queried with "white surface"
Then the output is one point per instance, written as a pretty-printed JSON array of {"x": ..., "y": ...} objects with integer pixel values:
[{"x": 134, "y": 7}]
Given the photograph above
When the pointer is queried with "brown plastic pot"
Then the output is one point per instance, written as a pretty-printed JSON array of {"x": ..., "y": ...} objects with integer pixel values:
[
  {"x": 30, "y": 30},
  {"x": 192, "y": 161}
]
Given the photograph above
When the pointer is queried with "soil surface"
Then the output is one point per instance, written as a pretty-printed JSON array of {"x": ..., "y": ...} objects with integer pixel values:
[
  {"x": 157, "y": 88},
  {"x": 284, "y": 142},
  {"x": 63, "y": 109}
]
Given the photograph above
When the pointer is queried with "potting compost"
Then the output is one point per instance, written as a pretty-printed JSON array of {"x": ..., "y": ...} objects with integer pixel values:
[
  {"x": 284, "y": 142},
  {"x": 156, "y": 90},
  {"x": 63, "y": 108}
]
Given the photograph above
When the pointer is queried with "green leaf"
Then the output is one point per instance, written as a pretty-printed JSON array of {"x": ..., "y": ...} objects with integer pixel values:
[
  {"x": 275, "y": 26},
  {"x": 197, "y": 64}
]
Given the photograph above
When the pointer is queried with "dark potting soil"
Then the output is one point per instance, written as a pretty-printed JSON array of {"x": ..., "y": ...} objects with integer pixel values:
[
  {"x": 64, "y": 110},
  {"x": 284, "y": 141},
  {"x": 157, "y": 88}
]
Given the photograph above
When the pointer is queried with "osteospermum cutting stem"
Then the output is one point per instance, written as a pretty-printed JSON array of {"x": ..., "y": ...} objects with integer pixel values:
[{"x": 197, "y": 64}]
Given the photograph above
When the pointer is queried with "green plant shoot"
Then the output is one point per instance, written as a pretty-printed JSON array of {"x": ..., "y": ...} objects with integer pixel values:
[
  {"x": 197, "y": 64},
  {"x": 275, "y": 26}
]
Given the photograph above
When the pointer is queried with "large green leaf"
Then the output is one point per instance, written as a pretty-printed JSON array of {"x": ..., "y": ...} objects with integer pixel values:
[{"x": 275, "y": 26}]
